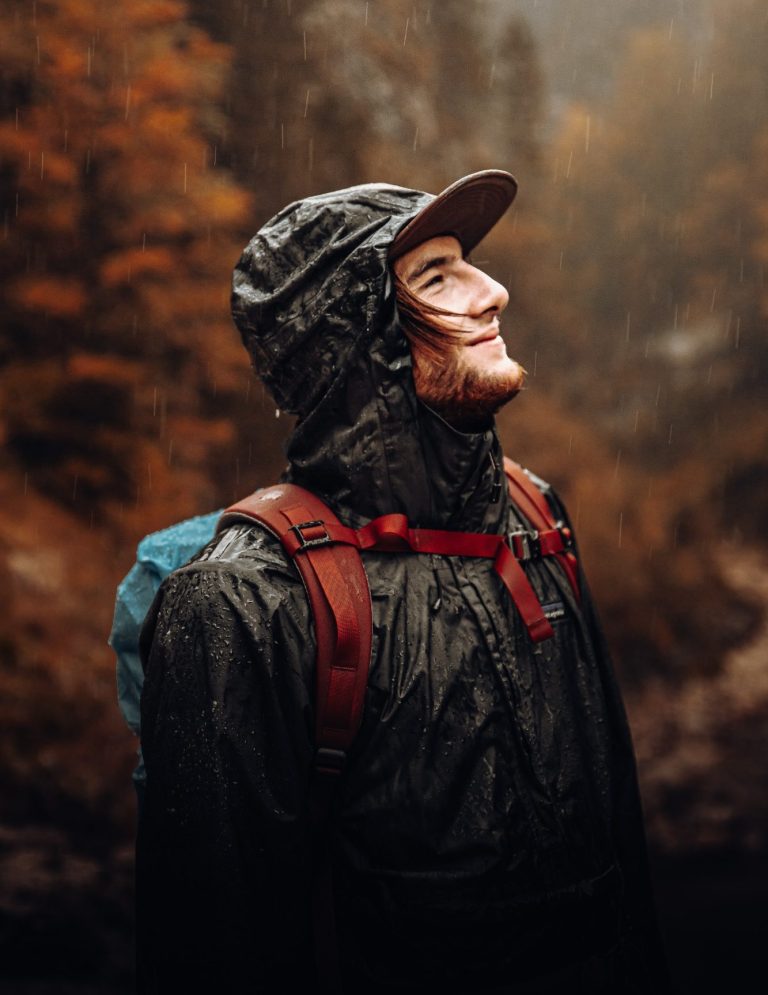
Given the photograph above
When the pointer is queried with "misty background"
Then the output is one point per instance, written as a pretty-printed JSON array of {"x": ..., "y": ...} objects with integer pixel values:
[{"x": 143, "y": 142}]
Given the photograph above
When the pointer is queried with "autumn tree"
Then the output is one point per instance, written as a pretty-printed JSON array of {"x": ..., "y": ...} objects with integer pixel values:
[
  {"x": 123, "y": 407},
  {"x": 649, "y": 281},
  {"x": 283, "y": 140},
  {"x": 120, "y": 232},
  {"x": 657, "y": 213},
  {"x": 412, "y": 93}
]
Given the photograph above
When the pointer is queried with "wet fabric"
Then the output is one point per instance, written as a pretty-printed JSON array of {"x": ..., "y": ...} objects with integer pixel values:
[
  {"x": 157, "y": 555},
  {"x": 487, "y": 833}
]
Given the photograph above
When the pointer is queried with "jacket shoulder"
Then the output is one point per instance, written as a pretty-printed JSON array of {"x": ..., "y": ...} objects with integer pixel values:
[
  {"x": 244, "y": 548},
  {"x": 241, "y": 582},
  {"x": 249, "y": 562},
  {"x": 245, "y": 571}
]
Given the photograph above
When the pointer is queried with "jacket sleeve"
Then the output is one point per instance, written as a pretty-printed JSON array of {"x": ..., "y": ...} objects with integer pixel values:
[
  {"x": 224, "y": 844},
  {"x": 628, "y": 824}
]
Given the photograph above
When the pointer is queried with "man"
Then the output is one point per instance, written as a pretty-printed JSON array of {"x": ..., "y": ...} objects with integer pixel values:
[{"x": 486, "y": 833}]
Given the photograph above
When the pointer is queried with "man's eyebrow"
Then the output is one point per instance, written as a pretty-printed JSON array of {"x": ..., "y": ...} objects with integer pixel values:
[{"x": 427, "y": 264}]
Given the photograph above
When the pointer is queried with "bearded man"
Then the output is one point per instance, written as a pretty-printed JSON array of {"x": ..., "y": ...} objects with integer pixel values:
[{"x": 486, "y": 832}]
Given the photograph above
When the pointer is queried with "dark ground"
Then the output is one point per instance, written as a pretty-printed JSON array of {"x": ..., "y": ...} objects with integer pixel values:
[
  {"x": 714, "y": 915},
  {"x": 76, "y": 938}
]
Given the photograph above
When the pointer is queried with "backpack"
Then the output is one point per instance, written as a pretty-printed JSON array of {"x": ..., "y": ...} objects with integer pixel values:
[{"x": 327, "y": 555}]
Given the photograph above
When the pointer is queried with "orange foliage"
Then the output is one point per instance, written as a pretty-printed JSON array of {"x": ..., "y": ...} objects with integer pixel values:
[
  {"x": 136, "y": 263},
  {"x": 111, "y": 149},
  {"x": 58, "y": 297},
  {"x": 86, "y": 366}
]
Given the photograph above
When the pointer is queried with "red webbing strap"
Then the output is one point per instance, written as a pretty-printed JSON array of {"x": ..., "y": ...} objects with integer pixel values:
[
  {"x": 311, "y": 530},
  {"x": 527, "y": 496},
  {"x": 391, "y": 534},
  {"x": 512, "y": 574},
  {"x": 337, "y": 586}
]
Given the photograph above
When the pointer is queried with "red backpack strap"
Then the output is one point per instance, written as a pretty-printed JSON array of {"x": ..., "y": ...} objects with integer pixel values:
[
  {"x": 534, "y": 505},
  {"x": 337, "y": 587}
]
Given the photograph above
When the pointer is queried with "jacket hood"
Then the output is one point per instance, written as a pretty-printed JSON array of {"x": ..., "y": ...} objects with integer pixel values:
[{"x": 313, "y": 298}]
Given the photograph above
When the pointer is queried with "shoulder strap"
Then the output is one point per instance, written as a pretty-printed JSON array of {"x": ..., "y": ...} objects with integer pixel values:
[
  {"x": 527, "y": 496},
  {"x": 337, "y": 587},
  {"x": 534, "y": 505},
  {"x": 340, "y": 600}
]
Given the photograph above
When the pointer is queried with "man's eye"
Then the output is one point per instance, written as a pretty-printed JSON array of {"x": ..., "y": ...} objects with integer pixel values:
[{"x": 435, "y": 279}]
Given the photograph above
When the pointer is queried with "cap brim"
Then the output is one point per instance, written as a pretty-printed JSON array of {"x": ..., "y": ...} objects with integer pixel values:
[{"x": 467, "y": 209}]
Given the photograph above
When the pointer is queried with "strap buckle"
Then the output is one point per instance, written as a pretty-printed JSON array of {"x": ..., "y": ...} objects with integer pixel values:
[
  {"x": 565, "y": 534},
  {"x": 524, "y": 544},
  {"x": 304, "y": 542},
  {"x": 329, "y": 760}
]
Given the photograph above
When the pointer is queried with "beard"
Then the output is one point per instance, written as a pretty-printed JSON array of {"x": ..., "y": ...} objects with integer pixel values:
[{"x": 465, "y": 395}]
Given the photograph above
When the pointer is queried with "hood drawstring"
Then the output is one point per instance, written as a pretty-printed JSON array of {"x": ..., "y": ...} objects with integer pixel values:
[{"x": 496, "y": 488}]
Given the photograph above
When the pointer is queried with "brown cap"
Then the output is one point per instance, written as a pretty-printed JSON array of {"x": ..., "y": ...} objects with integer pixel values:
[{"x": 468, "y": 209}]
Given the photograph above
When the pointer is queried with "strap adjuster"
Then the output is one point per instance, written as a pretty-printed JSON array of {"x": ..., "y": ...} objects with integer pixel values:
[
  {"x": 304, "y": 542},
  {"x": 524, "y": 544},
  {"x": 565, "y": 534},
  {"x": 329, "y": 760}
]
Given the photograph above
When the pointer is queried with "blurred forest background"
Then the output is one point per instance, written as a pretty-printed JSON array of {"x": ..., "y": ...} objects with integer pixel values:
[{"x": 142, "y": 142}]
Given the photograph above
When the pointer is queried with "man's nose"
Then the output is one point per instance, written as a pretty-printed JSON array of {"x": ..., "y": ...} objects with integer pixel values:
[{"x": 490, "y": 296}]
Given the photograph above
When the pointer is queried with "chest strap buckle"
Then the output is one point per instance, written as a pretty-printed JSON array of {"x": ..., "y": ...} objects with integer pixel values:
[{"x": 524, "y": 544}]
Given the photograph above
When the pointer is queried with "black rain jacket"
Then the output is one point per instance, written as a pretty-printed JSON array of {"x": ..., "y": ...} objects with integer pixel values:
[{"x": 487, "y": 834}]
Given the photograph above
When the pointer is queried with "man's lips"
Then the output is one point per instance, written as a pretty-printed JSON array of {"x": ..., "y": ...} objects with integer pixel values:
[
  {"x": 487, "y": 337},
  {"x": 490, "y": 333}
]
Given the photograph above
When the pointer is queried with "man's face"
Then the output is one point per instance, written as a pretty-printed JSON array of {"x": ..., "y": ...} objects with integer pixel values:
[{"x": 474, "y": 377}]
